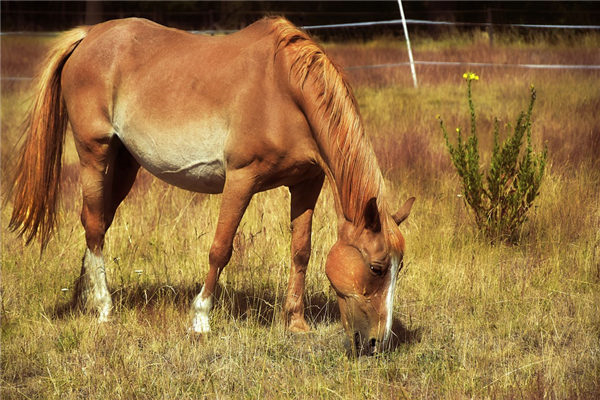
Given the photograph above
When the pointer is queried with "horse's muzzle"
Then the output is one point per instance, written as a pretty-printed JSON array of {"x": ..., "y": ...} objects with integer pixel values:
[{"x": 369, "y": 348}]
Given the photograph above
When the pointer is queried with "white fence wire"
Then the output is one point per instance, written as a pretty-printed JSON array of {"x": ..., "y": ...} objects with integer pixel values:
[
  {"x": 446, "y": 23},
  {"x": 474, "y": 64}
]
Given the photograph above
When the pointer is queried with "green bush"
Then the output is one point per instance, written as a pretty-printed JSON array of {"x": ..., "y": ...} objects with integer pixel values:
[{"x": 500, "y": 201}]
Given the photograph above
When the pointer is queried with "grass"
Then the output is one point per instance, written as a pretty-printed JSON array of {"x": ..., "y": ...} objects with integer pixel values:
[{"x": 473, "y": 320}]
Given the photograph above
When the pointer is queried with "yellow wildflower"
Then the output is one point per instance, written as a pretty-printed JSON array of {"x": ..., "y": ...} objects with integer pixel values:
[{"x": 470, "y": 76}]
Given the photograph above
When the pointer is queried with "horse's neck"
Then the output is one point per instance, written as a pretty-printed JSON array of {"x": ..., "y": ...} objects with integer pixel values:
[
  {"x": 327, "y": 101},
  {"x": 350, "y": 164}
]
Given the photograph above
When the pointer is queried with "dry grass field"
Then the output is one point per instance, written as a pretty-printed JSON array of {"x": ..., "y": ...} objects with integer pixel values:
[{"x": 472, "y": 319}]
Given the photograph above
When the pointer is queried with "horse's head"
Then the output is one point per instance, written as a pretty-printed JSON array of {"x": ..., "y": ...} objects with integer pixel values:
[{"x": 362, "y": 267}]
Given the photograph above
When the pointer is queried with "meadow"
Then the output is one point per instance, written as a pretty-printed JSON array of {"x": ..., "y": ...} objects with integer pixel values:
[{"x": 471, "y": 319}]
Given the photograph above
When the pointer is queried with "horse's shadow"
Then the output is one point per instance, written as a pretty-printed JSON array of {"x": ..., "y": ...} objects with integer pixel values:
[{"x": 263, "y": 306}]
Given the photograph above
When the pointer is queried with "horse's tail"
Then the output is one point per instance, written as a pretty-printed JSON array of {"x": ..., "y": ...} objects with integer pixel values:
[{"x": 36, "y": 184}]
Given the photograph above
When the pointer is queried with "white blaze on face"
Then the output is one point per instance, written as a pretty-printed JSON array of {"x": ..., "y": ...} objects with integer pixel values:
[{"x": 389, "y": 299}]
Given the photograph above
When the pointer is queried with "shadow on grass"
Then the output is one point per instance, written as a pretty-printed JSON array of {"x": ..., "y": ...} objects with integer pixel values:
[
  {"x": 257, "y": 303},
  {"x": 402, "y": 335},
  {"x": 142, "y": 297},
  {"x": 260, "y": 303}
]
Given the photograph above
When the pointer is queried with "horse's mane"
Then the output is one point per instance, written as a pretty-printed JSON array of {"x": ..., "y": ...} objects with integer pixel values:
[{"x": 339, "y": 130}]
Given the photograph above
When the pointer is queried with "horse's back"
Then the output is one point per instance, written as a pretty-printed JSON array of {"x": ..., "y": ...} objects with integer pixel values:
[{"x": 184, "y": 105}]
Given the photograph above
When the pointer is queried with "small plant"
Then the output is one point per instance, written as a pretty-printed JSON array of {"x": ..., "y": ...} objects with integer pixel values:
[{"x": 500, "y": 201}]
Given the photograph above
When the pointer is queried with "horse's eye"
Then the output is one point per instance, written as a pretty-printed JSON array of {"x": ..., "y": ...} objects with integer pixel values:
[{"x": 376, "y": 269}]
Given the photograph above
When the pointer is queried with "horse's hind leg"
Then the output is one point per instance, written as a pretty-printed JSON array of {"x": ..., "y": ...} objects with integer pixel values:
[
  {"x": 303, "y": 200},
  {"x": 107, "y": 174},
  {"x": 121, "y": 174}
]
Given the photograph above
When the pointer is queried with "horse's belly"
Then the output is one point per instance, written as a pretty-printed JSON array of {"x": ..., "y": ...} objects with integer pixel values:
[
  {"x": 205, "y": 176},
  {"x": 190, "y": 161}
]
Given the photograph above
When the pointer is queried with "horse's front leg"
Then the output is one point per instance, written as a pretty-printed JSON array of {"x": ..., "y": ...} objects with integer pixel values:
[
  {"x": 303, "y": 200},
  {"x": 236, "y": 196}
]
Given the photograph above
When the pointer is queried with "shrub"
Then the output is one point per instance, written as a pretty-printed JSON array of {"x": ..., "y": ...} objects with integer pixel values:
[{"x": 500, "y": 201}]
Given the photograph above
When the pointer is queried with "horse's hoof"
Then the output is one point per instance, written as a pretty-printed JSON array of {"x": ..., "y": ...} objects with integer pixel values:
[
  {"x": 104, "y": 314},
  {"x": 104, "y": 319},
  {"x": 196, "y": 336},
  {"x": 200, "y": 325},
  {"x": 298, "y": 326}
]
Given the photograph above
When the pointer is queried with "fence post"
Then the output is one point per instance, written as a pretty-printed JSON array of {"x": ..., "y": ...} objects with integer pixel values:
[{"x": 410, "y": 56}]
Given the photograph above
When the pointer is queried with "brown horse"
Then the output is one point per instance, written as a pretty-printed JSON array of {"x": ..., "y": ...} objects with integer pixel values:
[{"x": 237, "y": 115}]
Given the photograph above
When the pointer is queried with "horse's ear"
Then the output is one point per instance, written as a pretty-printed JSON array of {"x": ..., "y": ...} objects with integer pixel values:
[
  {"x": 371, "y": 215},
  {"x": 403, "y": 213}
]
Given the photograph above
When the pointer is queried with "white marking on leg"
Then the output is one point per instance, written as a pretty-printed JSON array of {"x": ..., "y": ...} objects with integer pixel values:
[
  {"x": 95, "y": 290},
  {"x": 201, "y": 307},
  {"x": 389, "y": 299}
]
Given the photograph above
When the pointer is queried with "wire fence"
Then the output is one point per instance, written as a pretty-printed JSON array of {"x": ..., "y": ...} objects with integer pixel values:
[
  {"x": 447, "y": 23},
  {"x": 397, "y": 64},
  {"x": 475, "y": 64}
]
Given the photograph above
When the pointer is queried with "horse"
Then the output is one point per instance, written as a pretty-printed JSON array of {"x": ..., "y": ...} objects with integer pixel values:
[{"x": 237, "y": 114}]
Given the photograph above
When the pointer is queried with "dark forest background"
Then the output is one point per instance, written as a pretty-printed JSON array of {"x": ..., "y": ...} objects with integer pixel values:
[{"x": 229, "y": 15}]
